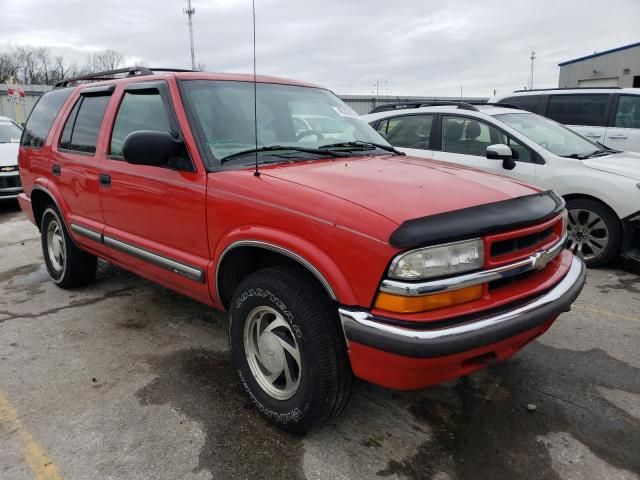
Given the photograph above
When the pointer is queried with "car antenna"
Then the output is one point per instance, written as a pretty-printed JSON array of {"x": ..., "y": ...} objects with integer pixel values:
[{"x": 256, "y": 173}]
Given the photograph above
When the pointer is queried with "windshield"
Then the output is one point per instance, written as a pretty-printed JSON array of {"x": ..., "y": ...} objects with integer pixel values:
[
  {"x": 550, "y": 135},
  {"x": 9, "y": 132},
  {"x": 301, "y": 117}
]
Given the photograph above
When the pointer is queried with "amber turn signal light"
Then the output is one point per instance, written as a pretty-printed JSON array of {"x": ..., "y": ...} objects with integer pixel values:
[{"x": 423, "y": 303}]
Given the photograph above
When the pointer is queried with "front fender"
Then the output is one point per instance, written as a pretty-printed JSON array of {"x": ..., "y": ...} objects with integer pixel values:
[{"x": 309, "y": 255}]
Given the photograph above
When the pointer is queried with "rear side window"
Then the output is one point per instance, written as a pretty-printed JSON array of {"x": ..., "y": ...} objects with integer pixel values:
[
  {"x": 526, "y": 102},
  {"x": 81, "y": 131},
  {"x": 139, "y": 110},
  {"x": 628, "y": 112},
  {"x": 42, "y": 117},
  {"x": 578, "y": 109}
]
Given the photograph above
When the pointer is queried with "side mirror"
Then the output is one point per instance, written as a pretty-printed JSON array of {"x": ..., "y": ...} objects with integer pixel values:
[
  {"x": 150, "y": 148},
  {"x": 503, "y": 152}
]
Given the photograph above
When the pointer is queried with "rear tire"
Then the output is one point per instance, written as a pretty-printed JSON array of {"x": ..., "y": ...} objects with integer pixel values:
[
  {"x": 68, "y": 266},
  {"x": 595, "y": 232},
  {"x": 288, "y": 349}
]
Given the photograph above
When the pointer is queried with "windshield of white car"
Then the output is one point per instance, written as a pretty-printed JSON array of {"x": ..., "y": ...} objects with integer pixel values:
[
  {"x": 303, "y": 118},
  {"x": 552, "y": 136},
  {"x": 10, "y": 132}
]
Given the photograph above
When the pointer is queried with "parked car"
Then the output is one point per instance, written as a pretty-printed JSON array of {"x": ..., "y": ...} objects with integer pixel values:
[
  {"x": 10, "y": 133},
  {"x": 335, "y": 258},
  {"x": 610, "y": 116},
  {"x": 600, "y": 185}
]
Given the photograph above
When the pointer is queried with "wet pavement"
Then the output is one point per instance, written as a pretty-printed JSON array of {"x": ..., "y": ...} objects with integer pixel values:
[{"x": 127, "y": 380}]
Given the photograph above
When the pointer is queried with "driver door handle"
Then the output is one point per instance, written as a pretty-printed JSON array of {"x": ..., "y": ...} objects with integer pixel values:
[
  {"x": 105, "y": 180},
  {"x": 618, "y": 136}
]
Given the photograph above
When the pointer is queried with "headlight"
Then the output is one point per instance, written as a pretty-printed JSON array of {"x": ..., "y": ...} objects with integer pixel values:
[{"x": 438, "y": 261}]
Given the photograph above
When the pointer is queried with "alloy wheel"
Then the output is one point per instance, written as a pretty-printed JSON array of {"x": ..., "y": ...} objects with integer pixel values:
[
  {"x": 55, "y": 246},
  {"x": 272, "y": 353},
  {"x": 588, "y": 233}
]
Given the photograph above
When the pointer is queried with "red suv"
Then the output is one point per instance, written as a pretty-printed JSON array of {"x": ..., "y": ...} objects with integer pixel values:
[{"x": 334, "y": 254}]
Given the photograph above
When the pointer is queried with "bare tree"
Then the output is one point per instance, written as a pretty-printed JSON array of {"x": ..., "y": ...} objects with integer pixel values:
[{"x": 36, "y": 65}]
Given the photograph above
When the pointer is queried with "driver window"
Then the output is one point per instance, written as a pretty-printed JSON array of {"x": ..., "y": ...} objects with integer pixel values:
[
  {"x": 469, "y": 136},
  {"x": 409, "y": 131},
  {"x": 138, "y": 111}
]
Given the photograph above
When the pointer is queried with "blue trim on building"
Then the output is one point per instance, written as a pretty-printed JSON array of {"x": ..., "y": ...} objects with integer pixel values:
[{"x": 568, "y": 62}]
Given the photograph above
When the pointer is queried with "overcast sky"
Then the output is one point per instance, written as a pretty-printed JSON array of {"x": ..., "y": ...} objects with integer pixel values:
[{"x": 418, "y": 47}]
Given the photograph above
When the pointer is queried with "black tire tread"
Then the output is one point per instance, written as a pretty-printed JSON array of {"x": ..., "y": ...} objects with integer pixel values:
[{"x": 322, "y": 326}]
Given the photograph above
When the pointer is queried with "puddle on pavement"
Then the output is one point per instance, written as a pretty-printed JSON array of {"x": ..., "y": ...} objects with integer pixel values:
[
  {"x": 481, "y": 428},
  {"x": 201, "y": 385}
]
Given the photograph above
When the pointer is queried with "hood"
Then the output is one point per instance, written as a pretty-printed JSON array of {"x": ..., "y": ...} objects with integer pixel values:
[
  {"x": 8, "y": 154},
  {"x": 624, "y": 163},
  {"x": 401, "y": 188}
]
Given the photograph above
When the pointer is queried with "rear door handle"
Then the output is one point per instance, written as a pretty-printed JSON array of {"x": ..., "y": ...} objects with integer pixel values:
[
  {"x": 592, "y": 135},
  {"x": 105, "y": 180},
  {"x": 55, "y": 169},
  {"x": 620, "y": 137}
]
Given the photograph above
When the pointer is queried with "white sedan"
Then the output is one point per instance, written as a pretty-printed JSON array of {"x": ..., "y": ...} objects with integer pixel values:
[
  {"x": 10, "y": 134},
  {"x": 601, "y": 186}
]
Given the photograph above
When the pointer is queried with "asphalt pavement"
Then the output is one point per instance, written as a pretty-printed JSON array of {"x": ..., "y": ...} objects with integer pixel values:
[{"x": 127, "y": 380}]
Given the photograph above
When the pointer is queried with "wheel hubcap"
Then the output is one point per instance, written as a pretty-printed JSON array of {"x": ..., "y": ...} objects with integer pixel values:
[
  {"x": 272, "y": 353},
  {"x": 55, "y": 246},
  {"x": 588, "y": 233}
]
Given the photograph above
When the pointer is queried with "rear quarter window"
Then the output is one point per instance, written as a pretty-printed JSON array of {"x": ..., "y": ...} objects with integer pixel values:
[
  {"x": 582, "y": 109},
  {"x": 526, "y": 102},
  {"x": 42, "y": 117}
]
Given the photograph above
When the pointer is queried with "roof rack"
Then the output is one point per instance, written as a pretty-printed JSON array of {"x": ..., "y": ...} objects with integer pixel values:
[
  {"x": 502, "y": 105},
  {"x": 404, "y": 105},
  {"x": 111, "y": 74},
  {"x": 565, "y": 88}
]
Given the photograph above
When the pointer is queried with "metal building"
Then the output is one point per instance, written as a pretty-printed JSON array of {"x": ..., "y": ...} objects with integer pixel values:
[
  {"x": 20, "y": 111},
  {"x": 619, "y": 67},
  {"x": 363, "y": 104}
]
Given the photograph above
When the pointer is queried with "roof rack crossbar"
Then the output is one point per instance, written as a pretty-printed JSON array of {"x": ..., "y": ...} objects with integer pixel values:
[
  {"x": 565, "y": 88},
  {"x": 107, "y": 74},
  {"x": 405, "y": 105}
]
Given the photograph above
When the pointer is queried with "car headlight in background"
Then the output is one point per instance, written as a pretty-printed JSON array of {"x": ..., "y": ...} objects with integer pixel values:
[{"x": 438, "y": 261}]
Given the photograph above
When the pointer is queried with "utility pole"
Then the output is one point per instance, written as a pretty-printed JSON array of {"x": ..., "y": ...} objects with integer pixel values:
[
  {"x": 190, "y": 12},
  {"x": 532, "y": 57}
]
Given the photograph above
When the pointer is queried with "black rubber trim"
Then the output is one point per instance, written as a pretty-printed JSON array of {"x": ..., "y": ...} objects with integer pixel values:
[
  {"x": 440, "y": 347},
  {"x": 477, "y": 221}
]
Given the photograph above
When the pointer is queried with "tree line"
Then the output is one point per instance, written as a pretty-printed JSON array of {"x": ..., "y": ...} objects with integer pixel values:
[{"x": 38, "y": 66}]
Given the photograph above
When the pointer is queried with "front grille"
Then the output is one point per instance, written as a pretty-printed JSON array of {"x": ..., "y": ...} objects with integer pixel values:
[
  {"x": 511, "y": 245},
  {"x": 10, "y": 182}
]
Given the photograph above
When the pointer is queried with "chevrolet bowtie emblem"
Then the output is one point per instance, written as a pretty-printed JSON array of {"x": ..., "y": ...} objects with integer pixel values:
[{"x": 540, "y": 260}]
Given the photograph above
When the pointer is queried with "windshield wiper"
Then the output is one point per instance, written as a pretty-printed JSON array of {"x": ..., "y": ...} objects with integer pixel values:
[
  {"x": 360, "y": 143},
  {"x": 270, "y": 148},
  {"x": 584, "y": 156}
]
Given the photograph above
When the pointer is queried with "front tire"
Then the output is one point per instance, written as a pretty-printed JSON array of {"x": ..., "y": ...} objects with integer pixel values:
[
  {"x": 595, "y": 233},
  {"x": 68, "y": 266},
  {"x": 288, "y": 349}
]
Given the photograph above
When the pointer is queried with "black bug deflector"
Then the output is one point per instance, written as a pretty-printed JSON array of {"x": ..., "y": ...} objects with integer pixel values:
[{"x": 477, "y": 221}]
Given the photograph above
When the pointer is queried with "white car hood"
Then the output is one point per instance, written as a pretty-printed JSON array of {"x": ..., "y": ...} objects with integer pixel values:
[
  {"x": 623, "y": 163},
  {"x": 8, "y": 154}
]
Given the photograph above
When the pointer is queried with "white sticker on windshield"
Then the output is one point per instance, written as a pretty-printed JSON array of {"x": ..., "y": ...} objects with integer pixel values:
[{"x": 345, "y": 112}]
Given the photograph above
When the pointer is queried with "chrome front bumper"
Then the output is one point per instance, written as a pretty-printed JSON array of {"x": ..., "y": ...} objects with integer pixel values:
[{"x": 423, "y": 342}]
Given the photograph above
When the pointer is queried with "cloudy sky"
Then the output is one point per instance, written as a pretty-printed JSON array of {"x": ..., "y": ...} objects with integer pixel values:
[{"x": 412, "y": 47}]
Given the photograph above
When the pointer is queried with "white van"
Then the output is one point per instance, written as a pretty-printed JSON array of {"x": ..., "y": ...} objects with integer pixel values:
[{"x": 610, "y": 116}]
